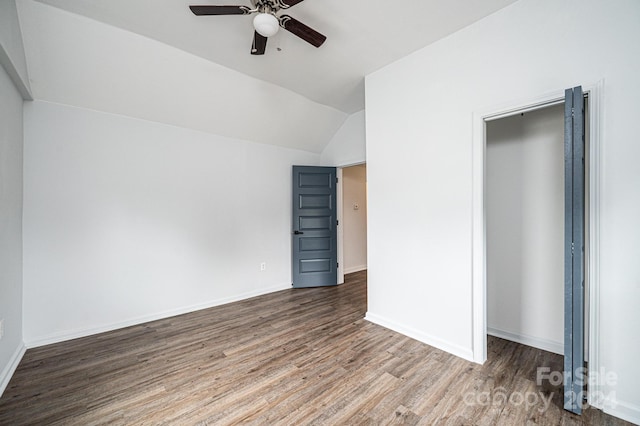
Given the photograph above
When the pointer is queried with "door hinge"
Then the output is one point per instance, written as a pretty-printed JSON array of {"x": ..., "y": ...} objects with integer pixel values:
[
  {"x": 337, "y": 180},
  {"x": 337, "y": 223},
  {"x": 338, "y": 265}
]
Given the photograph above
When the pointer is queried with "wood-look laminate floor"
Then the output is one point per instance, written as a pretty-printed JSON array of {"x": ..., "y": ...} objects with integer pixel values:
[{"x": 302, "y": 356}]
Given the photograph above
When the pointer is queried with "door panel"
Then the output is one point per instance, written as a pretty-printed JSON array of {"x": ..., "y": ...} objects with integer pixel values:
[
  {"x": 574, "y": 387},
  {"x": 314, "y": 237},
  {"x": 315, "y": 243}
]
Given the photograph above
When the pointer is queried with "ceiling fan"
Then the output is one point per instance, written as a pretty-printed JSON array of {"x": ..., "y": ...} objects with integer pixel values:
[{"x": 266, "y": 22}]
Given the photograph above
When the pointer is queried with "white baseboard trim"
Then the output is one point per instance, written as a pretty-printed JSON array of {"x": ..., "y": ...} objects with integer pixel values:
[
  {"x": 78, "y": 333},
  {"x": 353, "y": 269},
  {"x": 544, "y": 344},
  {"x": 623, "y": 410},
  {"x": 8, "y": 371},
  {"x": 444, "y": 345}
]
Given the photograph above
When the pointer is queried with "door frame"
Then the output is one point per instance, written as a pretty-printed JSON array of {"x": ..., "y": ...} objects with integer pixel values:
[
  {"x": 478, "y": 220},
  {"x": 339, "y": 215}
]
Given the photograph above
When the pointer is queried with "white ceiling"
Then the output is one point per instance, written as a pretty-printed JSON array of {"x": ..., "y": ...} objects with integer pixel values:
[{"x": 362, "y": 36}]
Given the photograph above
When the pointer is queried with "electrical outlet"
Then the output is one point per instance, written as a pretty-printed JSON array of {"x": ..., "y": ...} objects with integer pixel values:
[
  {"x": 263, "y": 266},
  {"x": 1, "y": 328}
]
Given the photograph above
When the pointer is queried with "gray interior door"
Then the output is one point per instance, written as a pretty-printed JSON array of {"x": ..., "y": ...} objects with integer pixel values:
[
  {"x": 314, "y": 236},
  {"x": 574, "y": 147}
]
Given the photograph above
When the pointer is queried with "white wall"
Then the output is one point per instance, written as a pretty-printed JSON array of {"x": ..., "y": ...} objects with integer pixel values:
[
  {"x": 354, "y": 218},
  {"x": 525, "y": 228},
  {"x": 419, "y": 115},
  {"x": 11, "y": 346},
  {"x": 127, "y": 220},
  {"x": 348, "y": 145}
]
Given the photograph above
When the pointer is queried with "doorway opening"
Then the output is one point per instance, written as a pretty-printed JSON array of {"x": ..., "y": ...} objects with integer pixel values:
[{"x": 352, "y": 218}]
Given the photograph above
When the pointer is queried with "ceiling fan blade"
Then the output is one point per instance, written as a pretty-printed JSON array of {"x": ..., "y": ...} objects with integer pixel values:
[
  {"x": 285, "y": 4},
  {"x": 259, "y": 44},
  {"x": 301, "y": 30},
  {"x": 220, "y": 10}
]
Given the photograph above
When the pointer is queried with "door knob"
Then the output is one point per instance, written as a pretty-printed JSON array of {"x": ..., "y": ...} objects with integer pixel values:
[{"x": 298, "y": 232}]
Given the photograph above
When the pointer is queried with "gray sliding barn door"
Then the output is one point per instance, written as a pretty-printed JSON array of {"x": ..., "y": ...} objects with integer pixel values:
[
  {"x": 314, "y": 238},
  {"x": 574, "y": 147}
]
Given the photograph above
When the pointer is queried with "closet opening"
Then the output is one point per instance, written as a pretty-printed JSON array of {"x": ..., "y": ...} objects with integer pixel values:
[{"x": 525, "y": 202}]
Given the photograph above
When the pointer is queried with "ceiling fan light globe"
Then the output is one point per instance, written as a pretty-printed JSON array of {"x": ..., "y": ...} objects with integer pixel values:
[{"x": 266, "y": 24}]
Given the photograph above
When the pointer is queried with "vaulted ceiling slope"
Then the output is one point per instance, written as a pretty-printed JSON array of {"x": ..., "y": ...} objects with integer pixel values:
[
  {"x": 77, "y": 61},
  {"x": 362, "y": 36},
  {"x": 105, "y": 55}
]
